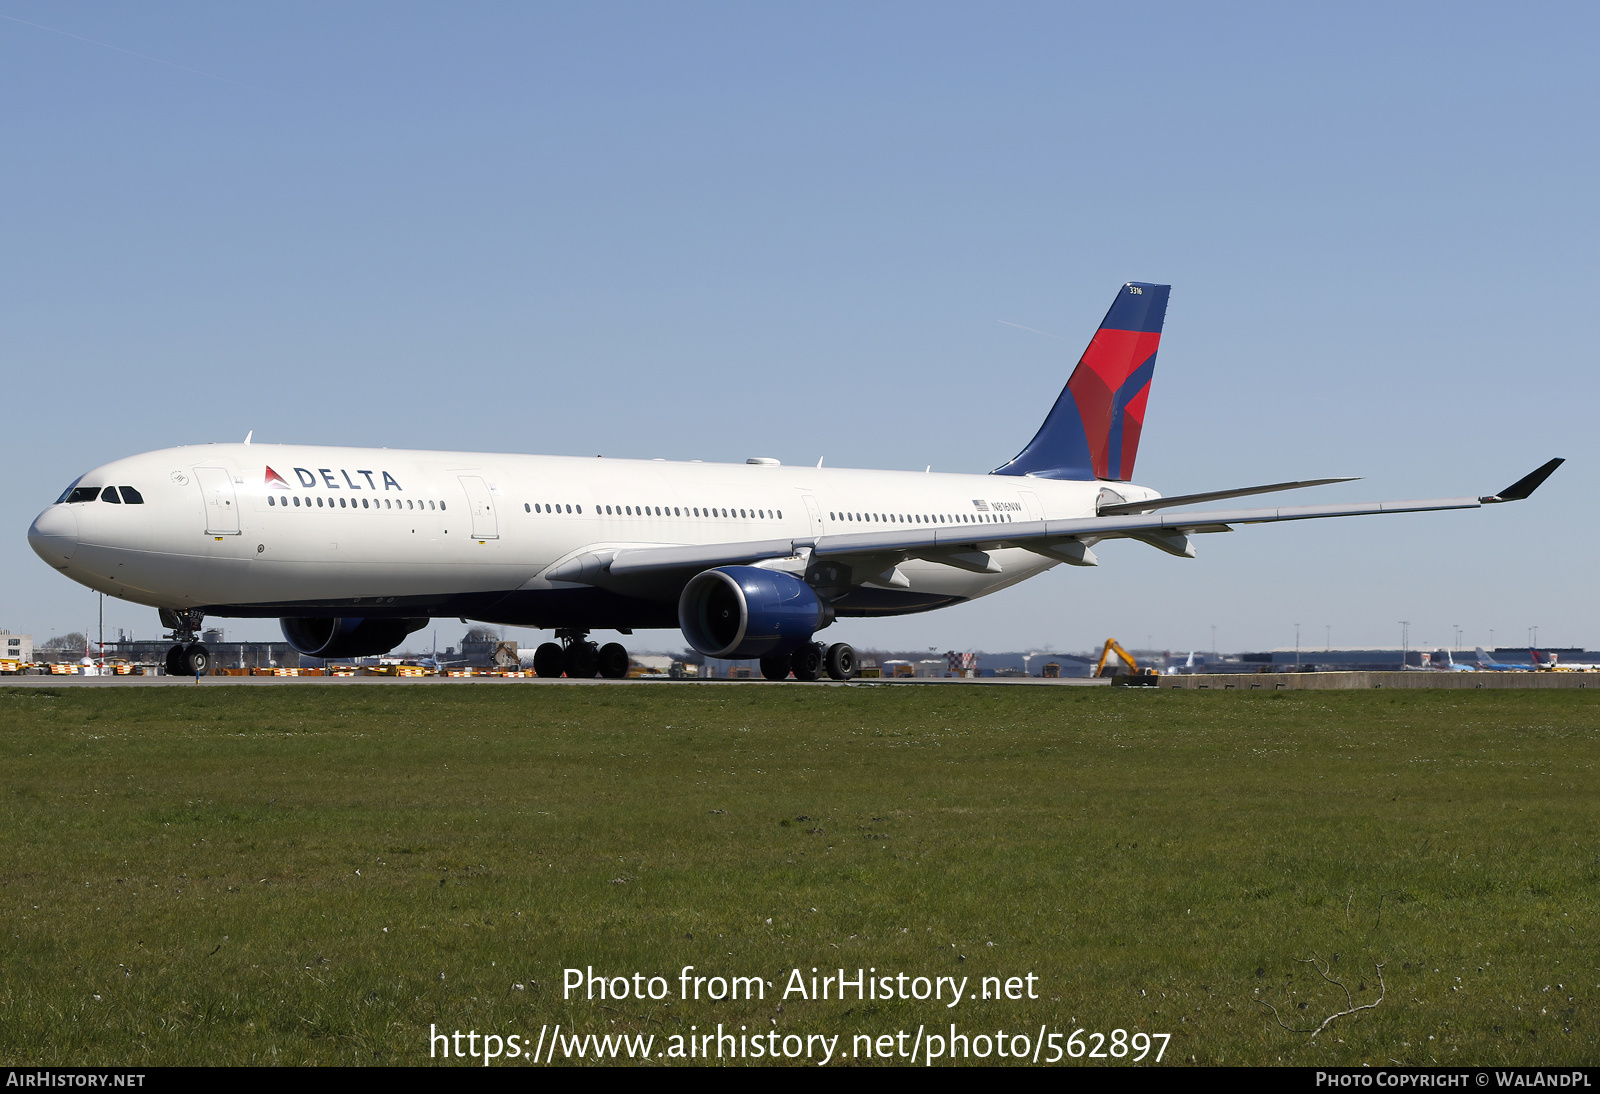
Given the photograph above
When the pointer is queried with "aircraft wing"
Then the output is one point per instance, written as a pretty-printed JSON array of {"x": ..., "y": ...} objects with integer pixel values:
[
  {"x": 1029, "y": 534},
  {"x": 1213, "y": 495},
  {"x": 967, "y": 546}
]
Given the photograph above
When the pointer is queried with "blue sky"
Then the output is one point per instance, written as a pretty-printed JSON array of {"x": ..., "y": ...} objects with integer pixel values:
[{"x": 713, "y": 231}]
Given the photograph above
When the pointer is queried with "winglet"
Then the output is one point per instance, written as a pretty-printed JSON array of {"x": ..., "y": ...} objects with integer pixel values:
[{"x": 1525, "y": 485}]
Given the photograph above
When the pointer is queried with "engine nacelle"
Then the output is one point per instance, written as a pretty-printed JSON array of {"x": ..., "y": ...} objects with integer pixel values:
[
  {"x": 333, "y": 638},
  {"x": 746, "y": 611}
]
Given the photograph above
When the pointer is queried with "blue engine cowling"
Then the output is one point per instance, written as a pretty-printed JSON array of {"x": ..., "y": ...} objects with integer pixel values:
[
  {"x": 745, "y": 611},
  {"x": 333, "y": 638}
]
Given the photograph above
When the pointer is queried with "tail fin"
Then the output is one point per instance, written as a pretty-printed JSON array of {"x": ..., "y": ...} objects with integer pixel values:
[{"x": 1093, "y": 430}]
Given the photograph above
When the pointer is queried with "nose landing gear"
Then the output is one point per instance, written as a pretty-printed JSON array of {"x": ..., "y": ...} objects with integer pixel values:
[{"x": 188, "y": 657}]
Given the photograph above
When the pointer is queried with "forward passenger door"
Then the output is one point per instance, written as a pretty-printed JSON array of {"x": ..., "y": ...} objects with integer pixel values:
[{"x": 222, "y": 507}]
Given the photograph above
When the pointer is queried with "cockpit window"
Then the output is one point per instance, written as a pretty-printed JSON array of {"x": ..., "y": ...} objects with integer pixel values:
[
  {"x": 132, "y": 496},
  {"x": 110, "y": 494},
  {"x": 65, "y": 494},
  {"x": 81, "y": 493}
]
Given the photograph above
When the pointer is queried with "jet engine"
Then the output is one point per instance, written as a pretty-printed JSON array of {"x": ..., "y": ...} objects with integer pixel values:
[
  {"x": 333, "y": 638},
  {"x": 746, "y": 611}
]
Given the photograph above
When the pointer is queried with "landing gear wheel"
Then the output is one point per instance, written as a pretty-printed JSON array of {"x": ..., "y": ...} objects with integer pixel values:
[
  {"x": 776, "y": 666},
  {"x": 582, "y": 661},
  {"x": 807, "y": 662},
  {"x": 841, "y": 661},
  {"x": 548, "y": 660},
  {"x": 175, "y": 665},
  {"x": 613, "y": 661},
  {"x": 196, "y": 660}
]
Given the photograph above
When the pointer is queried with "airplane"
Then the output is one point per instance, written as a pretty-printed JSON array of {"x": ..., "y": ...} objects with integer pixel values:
[
  {"x": 353, "y": 549},
  {"x": 1553, "y": 662},
  {"x": 1489, "y": 664},
  {"x": 1443, "y": 661}
]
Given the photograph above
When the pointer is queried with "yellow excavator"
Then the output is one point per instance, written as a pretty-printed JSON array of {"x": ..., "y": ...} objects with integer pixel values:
[{"x": 1125, "y": 670}]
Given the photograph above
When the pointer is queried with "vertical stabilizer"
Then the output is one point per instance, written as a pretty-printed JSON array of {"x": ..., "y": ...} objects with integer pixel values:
[{"x": 1093, "y": 430}]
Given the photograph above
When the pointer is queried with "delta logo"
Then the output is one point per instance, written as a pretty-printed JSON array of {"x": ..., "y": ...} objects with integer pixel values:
[{"x": 308, "y": 480}]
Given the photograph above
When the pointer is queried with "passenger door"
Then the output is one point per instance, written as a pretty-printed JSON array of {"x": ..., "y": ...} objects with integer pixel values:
[
  {"x": 481, "y": 502},
  {"x": 1031, "y": 500},
  {"x": 815, "y": 512},
  {"x": 222, "y": 507}
]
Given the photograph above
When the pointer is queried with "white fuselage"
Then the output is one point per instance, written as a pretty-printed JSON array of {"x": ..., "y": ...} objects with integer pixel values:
[{"x": 455, "y": 533}]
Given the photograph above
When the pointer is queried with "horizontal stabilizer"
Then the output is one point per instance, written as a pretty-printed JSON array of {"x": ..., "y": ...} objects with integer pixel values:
[{"x": 1525, "y": 485}]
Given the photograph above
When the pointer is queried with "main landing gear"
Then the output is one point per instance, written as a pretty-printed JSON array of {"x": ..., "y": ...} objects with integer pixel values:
[
  {"x": 188, "y": 657},
  {"x": 810, "y": 661},
  {"x": 577, "y": 658}
]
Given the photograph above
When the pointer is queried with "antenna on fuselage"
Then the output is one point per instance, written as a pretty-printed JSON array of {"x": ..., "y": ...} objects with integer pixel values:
[{"x": 248, "y": 435}]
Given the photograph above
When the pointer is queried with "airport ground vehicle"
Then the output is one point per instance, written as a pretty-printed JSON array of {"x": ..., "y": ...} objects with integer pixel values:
[
  {"x": 354, "y": 549},
  {"x": 1125, "y": 665}
]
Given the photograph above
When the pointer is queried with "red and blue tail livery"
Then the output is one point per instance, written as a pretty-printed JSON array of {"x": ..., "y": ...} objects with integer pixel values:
[{"x": 1093, "y": 430}]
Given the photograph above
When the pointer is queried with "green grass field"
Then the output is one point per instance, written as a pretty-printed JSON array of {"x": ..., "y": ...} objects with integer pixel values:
[{"x": 298, "y": 874}]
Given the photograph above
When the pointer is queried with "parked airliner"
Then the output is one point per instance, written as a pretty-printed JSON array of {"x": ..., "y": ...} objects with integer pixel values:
[{"x": 353, "y": 549}]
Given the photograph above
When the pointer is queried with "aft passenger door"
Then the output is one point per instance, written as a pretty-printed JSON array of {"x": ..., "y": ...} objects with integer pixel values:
[
  {"x": 1031, "y": 500},
  {"x": 222, "y": 507},
  {"x": 481, "y": 503}
]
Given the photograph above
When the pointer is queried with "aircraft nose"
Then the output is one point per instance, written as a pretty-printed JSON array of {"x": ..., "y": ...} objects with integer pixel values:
[{"x": 54, "y": 535}]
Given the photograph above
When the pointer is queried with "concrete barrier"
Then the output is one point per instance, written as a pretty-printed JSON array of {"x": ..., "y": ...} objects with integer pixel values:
[{"x": 1314, "y": 681}]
